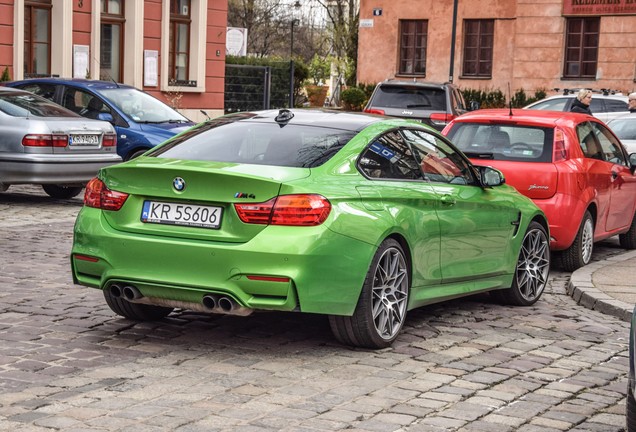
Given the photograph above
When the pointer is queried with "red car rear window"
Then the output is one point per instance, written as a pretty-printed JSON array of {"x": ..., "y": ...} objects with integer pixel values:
[{"x": 508, "y": 142}]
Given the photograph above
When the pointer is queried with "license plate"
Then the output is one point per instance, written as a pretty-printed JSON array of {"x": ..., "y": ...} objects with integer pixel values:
[
  {"x": 181, "y": 214},
  {"x": 83, "y": 139}
]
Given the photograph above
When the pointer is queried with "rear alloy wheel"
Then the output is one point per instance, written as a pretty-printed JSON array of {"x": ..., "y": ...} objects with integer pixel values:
[
  {"x": 381, "y": 310},
  {"x": 533, "y": 267},
  {"x": 62, "y": 192},
  {"x": 135, "y": 311},
  {"x": 579, "y": 254},
  {"x": 628, "y": 240}
]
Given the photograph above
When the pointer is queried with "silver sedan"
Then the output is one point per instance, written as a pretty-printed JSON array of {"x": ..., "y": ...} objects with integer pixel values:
[{"x": 46, "y": 144}]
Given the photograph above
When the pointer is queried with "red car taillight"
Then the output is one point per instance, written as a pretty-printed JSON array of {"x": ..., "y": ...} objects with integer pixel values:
[
  {"x": 97, "y": 195},
  {"x": 441, "y": 119},
  {"x": 559, "y": 149},
  {"x": 291, "y": 210},
  {"x": 45, "y": 140},
  {"x": 109, "y": 140},
  {"x": 374, "y": 111}
]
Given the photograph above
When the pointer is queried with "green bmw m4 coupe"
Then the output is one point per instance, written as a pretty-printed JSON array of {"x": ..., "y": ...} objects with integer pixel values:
[{"x": 358, "y": 217}]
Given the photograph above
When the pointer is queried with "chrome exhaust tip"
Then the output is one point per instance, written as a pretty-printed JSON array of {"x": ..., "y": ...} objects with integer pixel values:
[{"x": 131, "y": 292}]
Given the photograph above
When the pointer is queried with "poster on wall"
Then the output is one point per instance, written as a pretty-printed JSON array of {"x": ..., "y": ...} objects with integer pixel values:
[
  {"x": 151, "y": 71},
  {"x": 599, "y": 7},
  {"x": 236, "y": 41},
  {"x": 80, "y": 61}
]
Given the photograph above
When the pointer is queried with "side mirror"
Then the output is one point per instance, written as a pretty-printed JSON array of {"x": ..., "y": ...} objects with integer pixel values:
[
  {"x": 492, "y": 177},
  {"x": 474, "y": 105},
  {"x": 105, "y": 117},
  {"x": 632, "y": 162}
]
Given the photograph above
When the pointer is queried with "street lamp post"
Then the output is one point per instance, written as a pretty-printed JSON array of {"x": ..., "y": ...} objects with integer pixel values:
[
  {"x": 453, "y": 36},
  {"x": 294, "y": 21},
  {"x": 291, "y": 65}
]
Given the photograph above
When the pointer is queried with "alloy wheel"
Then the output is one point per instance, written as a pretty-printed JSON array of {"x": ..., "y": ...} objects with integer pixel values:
[
  {"x": 533, "y": 265},
  {"x": 389, "y": 293}
]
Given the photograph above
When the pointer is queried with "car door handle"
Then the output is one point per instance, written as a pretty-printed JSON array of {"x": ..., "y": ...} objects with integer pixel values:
[{"x": 448, "y": 200}]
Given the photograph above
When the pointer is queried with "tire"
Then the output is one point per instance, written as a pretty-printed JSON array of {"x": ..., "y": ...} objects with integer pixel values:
[
  {"x": 381, "y": 310},
  {"x": 62, "y": 192},
  {"x": 630, "y": 410},
  {"x": 531, "y": 271},
  {"x": 579, "y": 254},
  {"x": 136, "y": 153},
  {"x": 135, "y": 311},
  {"x": 628, "y": 240}
]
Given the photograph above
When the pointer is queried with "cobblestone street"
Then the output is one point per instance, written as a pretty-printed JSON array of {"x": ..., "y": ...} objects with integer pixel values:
[{"x": 68, "y": 363}]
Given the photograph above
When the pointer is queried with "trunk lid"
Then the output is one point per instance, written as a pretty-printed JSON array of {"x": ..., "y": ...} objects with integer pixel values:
[{"x": 212, "y": 185}]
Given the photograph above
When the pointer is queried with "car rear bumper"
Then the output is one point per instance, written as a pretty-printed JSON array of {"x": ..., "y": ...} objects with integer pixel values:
[
  {"x": 307, "y": 267},
  {"x": 52, "y": 169}
]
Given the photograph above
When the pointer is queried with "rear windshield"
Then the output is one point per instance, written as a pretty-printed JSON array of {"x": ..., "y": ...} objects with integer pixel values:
[
  {"x": 291, "y": 145},
  {"x": 410, "y": 97},
  {"x": 503, "y": 141},
  {"x": 26, "y": 104}
]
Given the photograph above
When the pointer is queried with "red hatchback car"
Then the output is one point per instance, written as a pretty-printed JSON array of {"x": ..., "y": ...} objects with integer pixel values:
[{"x": 571, "y": 165}]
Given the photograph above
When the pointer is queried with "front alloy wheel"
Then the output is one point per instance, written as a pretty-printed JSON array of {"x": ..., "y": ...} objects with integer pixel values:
[
  {"x": 531, "y": 272},
  {"x": 381, "y": 310}
]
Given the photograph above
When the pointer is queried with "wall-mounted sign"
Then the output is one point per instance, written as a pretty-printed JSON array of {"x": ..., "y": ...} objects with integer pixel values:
[
  {"x": 366, "y": 23},
  {"x": 377, "y": 12},
  {"x": 599, "y": 7}
]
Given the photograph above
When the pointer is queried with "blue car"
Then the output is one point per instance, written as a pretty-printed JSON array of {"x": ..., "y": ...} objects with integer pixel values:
[
  {"x": 631, "y": 386},
  {"x": 140, "y": 120}
]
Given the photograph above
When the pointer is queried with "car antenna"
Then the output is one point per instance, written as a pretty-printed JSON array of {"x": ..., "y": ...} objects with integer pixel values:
[{"x": 509, "y": 100}]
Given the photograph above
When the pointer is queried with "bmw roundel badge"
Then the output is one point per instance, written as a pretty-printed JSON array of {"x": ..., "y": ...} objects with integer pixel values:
[{"x": 179, "y": 184}]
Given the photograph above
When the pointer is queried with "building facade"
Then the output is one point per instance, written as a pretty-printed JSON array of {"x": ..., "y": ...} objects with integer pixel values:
[
  {"x": 172, "y": 49},
  {"x": 527, "y": 44}
]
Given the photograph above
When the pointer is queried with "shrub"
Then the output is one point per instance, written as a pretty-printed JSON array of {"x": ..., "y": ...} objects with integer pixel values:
[
  {"x": 5, "y": 75},
  {"x": 353, "y": 99}
]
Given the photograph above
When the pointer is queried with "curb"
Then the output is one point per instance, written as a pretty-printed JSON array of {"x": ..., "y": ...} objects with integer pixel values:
[{"x": 582, "y": 289}]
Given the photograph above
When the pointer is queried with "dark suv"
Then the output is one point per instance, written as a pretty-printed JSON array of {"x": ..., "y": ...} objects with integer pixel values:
[{"x": 431, "y": 103}]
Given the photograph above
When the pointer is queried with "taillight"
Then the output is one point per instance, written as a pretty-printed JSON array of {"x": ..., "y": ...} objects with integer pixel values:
[
  {"x": 291, "y": 210},
  {"x": 441, "y": 119},
  {"x": 374, "y": 111},
  {"x": 109, "y": 140},
  {"x": 45, "y": 140},
  {"x": 559, "y": 149},
  {"x": 97, "y": 195}
]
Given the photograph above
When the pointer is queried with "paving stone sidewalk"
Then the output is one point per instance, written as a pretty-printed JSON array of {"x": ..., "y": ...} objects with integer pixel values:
[{"x": 67, "y": 363}]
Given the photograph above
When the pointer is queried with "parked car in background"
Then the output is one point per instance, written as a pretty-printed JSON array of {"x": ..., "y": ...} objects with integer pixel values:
[
  {"x": 253, "y": 210},
  {"x": 43, "y": 143},
  {"x": 572, "y": 166},
  {"x": 605, "y": 104},
  {"x": 631, "y": 384},
  {"x": 434, "y": 104},
  {"x": 141, "y": 121},
  {"x": 625, "y": 129}
]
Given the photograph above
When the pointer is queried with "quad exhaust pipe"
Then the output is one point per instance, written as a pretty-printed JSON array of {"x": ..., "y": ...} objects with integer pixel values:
[
  {"x": 215, "y": 303},
  {"x": 224, "y": 304},
  {"x": 128, "y": 292}
]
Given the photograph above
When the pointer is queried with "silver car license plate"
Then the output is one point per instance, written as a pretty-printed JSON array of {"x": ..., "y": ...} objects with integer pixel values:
[
  {"x": 83, "y": 139},
  {"x": 181, "y": 214}
]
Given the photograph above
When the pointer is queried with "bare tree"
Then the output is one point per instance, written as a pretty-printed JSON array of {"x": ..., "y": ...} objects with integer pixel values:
[
  {"x": 343, "y": 17},
  {"x": 266, "y": 22}
]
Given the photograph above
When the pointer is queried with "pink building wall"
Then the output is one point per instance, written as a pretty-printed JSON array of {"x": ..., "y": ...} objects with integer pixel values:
[
  {"x": 528, "y": 45},
  {"x": 213, "y": 96}
]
